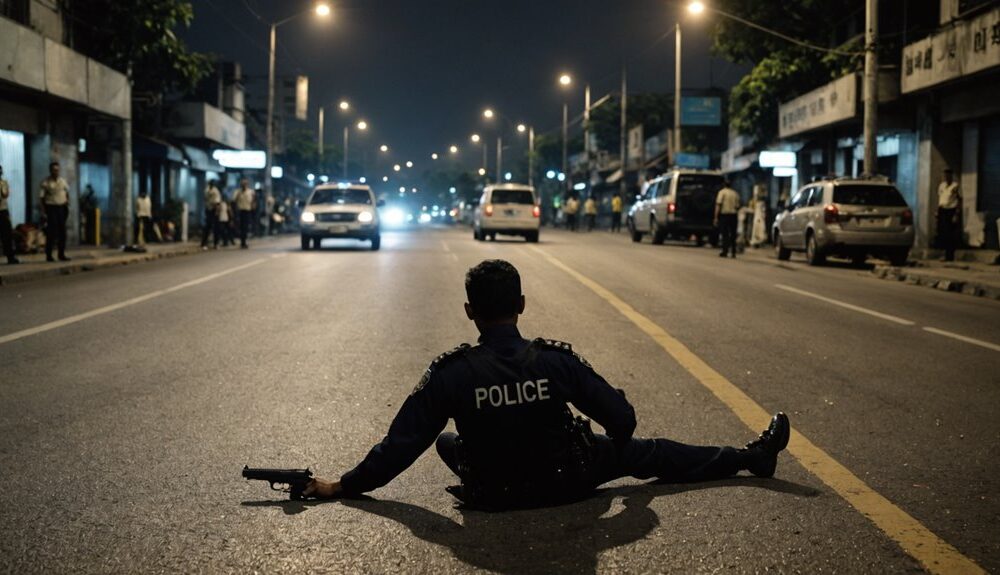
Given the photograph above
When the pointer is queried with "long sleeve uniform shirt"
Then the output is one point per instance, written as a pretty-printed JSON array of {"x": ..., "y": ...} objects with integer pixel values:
[{"x": 508, "y": 397}]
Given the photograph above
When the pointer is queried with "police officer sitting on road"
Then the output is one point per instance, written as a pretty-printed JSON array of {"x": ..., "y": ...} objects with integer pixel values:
[{"x": 518, "y": 444}]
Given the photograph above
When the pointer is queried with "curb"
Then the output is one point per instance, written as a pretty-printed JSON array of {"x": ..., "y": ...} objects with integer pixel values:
[
  {"x": 95, "y": 264},
  {"x": 913, "y": 277}
]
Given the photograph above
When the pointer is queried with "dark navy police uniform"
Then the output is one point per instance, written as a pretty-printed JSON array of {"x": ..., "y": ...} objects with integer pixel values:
[{"x": 516, "y": 446}]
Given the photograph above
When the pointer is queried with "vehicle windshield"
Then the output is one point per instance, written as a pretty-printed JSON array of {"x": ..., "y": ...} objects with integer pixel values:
[
  {"x": 340, "y": 196},
  {"x": 693, "y": 183},
  {"x": 513, "y": 197},
  {"x": 868, "y": 196}
]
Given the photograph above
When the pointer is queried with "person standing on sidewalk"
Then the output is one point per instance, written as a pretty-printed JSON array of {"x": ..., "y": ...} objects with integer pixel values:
[
  {"x": 616, "y": 212},
  {"x": 244, "y": 200},
  {"x": 55, "y": 207},
  {"x": 949, "y": 208},
  {"x": 213, "y": 197},
  {"x": 570, "y": 209},
  {"x": 590, "y": 210},
  {"x": 6, "y": 232},
  {"x": 143, "y": 217},
  {"x": 727, "y": 206},
  {"x": 224, "y": 217}
]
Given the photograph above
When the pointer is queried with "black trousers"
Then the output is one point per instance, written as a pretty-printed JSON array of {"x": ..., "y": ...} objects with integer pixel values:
[
  {"x": 616, "y": 221},
  {"x": 727, "y": 228},
  {"x": 591, "y": 222},
  {"x": 6, "y": 235},
  {"x": 55, "y": 229},
  {"x": 246, "y": 219},
  {"x": 571, "y": 222},
  {"x": 948, "y": 231},
  {"x": 640, "y": 458},
  {"x": 211, "y": 227}
]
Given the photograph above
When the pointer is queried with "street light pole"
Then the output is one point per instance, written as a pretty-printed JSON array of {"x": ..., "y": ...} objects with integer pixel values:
[
  {"x": 677, "y": 92},
  {"x": 347, "y": 141},
  {"x": 871, "y": 87},
  {"x": 319, "y": 143},
  {"x": 586, "y": 128},
  {"x": 269, "y": 160},
  {"x": 499, "y": 157},
  {"x": 565, "y": 131},
  {"x": 531, "y": 155}
]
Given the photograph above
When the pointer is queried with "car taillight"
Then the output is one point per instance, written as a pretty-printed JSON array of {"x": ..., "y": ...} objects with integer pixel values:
[
  {"x": 488, "y": 210},
  {"x": 831, "y": 214},
  {"x": 906, "y": 218},
  {"x": 536, "y": 211},
  {"x": 671, "y": 208}
]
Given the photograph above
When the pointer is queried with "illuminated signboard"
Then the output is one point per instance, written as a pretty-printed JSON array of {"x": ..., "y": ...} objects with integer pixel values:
[{"x": 241, "y": 159}]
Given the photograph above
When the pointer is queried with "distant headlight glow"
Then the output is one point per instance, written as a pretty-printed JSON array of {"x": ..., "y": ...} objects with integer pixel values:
[
  {"x": 365, "y": 217},
  {"x": 308, "y": 217},
  {"x": 394, "y": 217},
  {"x": 424, "y": 218}
]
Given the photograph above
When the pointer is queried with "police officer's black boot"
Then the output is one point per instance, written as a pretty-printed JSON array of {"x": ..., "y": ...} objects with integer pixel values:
[{"x": 762, "y": 453}]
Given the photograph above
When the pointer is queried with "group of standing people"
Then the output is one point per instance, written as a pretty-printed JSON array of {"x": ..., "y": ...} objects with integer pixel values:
[
  {"x": 55, "y": 211},
  {"x": 219, "y": 214},
  {"x": 572, "y": 207}
]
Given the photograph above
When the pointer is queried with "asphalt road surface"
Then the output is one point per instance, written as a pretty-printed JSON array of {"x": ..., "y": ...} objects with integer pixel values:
[{"x": 130, "y": 399}]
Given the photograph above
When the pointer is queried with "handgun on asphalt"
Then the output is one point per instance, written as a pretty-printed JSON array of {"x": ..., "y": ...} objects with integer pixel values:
[{"x": 295, "y": 479}]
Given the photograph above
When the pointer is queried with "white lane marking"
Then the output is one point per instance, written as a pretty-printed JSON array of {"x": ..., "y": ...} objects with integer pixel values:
[
  {"x": 849, "y": 306},
  {"x": 130, "y": 302},
  {"x": 444, "y": 245},
  {"x": 966, "y": 339}
]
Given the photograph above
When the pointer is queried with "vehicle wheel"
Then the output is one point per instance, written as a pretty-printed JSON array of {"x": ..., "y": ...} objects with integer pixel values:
[
  {"x": 658, "y": 234},
  {"x": 898, "y": 258},
  {"x": 780, "y": 250},
  {"x": 305, "y": 242},
  {"x": 814, "y": 256},
  {"x": 376, "y": 243},
  {"x": 476, "y": 235},
  {"x": 493, "y": 237},
  {"x": 636, "y": 234},
  {"x": 532, "y": 237},
  {"x": 317, "y": 242}
]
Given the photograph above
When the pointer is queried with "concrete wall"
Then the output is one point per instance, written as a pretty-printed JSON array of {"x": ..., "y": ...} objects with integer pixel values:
[
  {"x": 65, "y": 72},
  {"x": 46, "y": 19},
  {"x": 22, "y": 56}
]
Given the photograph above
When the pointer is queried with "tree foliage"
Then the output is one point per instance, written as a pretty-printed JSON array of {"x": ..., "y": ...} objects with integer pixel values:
[{"x": 138, "y": 38}]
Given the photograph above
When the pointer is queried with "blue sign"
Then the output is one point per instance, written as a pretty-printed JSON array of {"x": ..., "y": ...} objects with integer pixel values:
[
  {"x": 701, "y": 111},
  {"x": 685, "y": 160}
]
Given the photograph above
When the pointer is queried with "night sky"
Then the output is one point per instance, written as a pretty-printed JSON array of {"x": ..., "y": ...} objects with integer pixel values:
[{"x": 421, "y": 71}]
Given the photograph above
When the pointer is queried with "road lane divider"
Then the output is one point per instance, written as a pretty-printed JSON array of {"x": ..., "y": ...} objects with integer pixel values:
[
  {"x": 964, "y": 338},
  {"x": 935, "y": 554},
  {"x": 127, "y": 303},
  {"x": 846, "y": 305}
]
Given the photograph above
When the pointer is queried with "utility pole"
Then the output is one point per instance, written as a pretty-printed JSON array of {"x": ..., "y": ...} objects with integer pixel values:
[
  {"x": 565, "y": 131},
  {"x": 499, "y": 157},
  {"x": 677, "y": 91},
  {"x": 623, "y": 145},
  {"x": 586, "y": 130},
  {"x": 269, "y": 161},
  {"x": 319, "y": 143},
  {"x": 347, "y": 141},
  {"x": 531, "y": 155},
  {"x": 871, "y": 87}
]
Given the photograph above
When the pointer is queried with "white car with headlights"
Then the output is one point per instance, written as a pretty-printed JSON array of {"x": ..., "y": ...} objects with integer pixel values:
[
  {"x": 341, "y": 211},
  {"x": 507, "y": 209}
]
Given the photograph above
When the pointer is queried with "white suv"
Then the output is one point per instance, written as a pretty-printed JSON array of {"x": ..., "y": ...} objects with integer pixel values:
[
  {"x": 340, "y": 211},
  {"x": 509, "y": 209},
  {"x": 849, "y": 217}
]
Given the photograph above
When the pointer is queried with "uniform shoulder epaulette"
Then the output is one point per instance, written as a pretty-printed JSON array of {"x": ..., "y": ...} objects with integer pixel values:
[
  {"x": 555, "y": 344},
  {"x": 439, "y": 361}
]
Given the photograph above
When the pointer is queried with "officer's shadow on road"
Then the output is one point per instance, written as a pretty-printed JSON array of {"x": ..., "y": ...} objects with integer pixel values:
[{"x": 564, "y": 539}]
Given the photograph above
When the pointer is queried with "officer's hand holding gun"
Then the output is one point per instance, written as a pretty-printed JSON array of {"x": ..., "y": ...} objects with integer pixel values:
[{"x": 300, "y": 482}]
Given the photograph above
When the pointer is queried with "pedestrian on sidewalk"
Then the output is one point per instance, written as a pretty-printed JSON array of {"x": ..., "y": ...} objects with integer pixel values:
[
  {"x": 727, "y": 206},
  {"x": 244, "y": 200},
  {"x": 590, "y": 210},
  {"x": 519, "y": 444},
  {"x": 570, "y": 209},
  {"x": 55, "y": 211},
  {"x": 222, "y": 225},
  {"x": 948, "y": 214},
  {"x": 213, "y": 197},
  {"x": 616, "y": 212},
  {"x": 143, "y": 217},
  {"x": 6, "y": 231}
]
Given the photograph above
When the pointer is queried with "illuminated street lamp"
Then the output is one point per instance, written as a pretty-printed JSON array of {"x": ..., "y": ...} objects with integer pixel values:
[
  {"x": 453, "y": 149},
  {"x": 696, "y": 7},
  {"x": 361, "y": 126},
  {"x": 565, "y": 81},
  {"x": 383, "y": 148},
  {"x": 396, "y": 168},
  {"x": 409, "y": 164},
  {"x": 323, "y": 9},
  {"x": 521, "y": 128},
  {"x": 344, "y": 105},
  {"x": 434, "y": 156},
  {"x": 488, "y": 114}
]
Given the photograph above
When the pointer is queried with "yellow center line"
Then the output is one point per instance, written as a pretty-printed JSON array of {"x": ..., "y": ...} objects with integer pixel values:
[{"x": 935, "y": 554}]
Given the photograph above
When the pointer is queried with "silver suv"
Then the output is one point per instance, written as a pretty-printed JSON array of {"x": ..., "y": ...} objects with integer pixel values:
[
  {"x": 679, "y": 204},
  {"x": 846, "y": 217},
  {"x": 341, "y": 211}
]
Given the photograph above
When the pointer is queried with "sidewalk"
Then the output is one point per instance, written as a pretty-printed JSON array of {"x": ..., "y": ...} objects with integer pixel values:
[
  {"x": 87, "y": 258},
  {"x": 974, "y": 277}
]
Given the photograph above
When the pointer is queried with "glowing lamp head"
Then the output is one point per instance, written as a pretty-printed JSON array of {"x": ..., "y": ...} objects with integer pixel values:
[
  {"x": 696, "y": 7},
  {"x": 323, "y": 9},
  {"x": 565, "y": 80},
  {"x": 475, "y": 138},
  {"x": 344, "y": 105}
]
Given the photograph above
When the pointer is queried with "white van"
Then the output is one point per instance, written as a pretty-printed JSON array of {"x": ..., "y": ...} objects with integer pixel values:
[{"x": 507, "y": 209}]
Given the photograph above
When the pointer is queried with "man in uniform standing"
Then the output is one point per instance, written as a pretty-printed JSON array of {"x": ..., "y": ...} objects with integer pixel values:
[
  {"x": 727, "y": 206},
  {"x": 244, "y": 201},
  {"x": 616, "y": 212},
  {"x": 55, "y": 206},
  {"x": 571, "y": 207},
  {"x": 590, "y": 210},
  {"x": 949, "y": 204},
  {"x": 6, "y": 232},
  {"x": 518, "y": 444},
  {"x": 213, "y": 197}
]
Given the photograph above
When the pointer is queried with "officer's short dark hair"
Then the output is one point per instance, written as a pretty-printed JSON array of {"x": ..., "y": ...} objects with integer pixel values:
[{"x": 494, "y": 289}]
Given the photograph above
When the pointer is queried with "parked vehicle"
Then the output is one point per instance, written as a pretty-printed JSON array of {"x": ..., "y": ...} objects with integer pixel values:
[
  {"x": 848, "y": 217},
  {"x": 678, "y": 204},
  {"x": 507, "y": 209},
  {"x": 341, "y": 211}
]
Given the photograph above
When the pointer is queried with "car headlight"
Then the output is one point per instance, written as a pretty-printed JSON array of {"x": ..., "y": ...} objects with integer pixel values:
[
  {"x": 308, "y": 217},
  {"x": 365, "y": 217}
]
